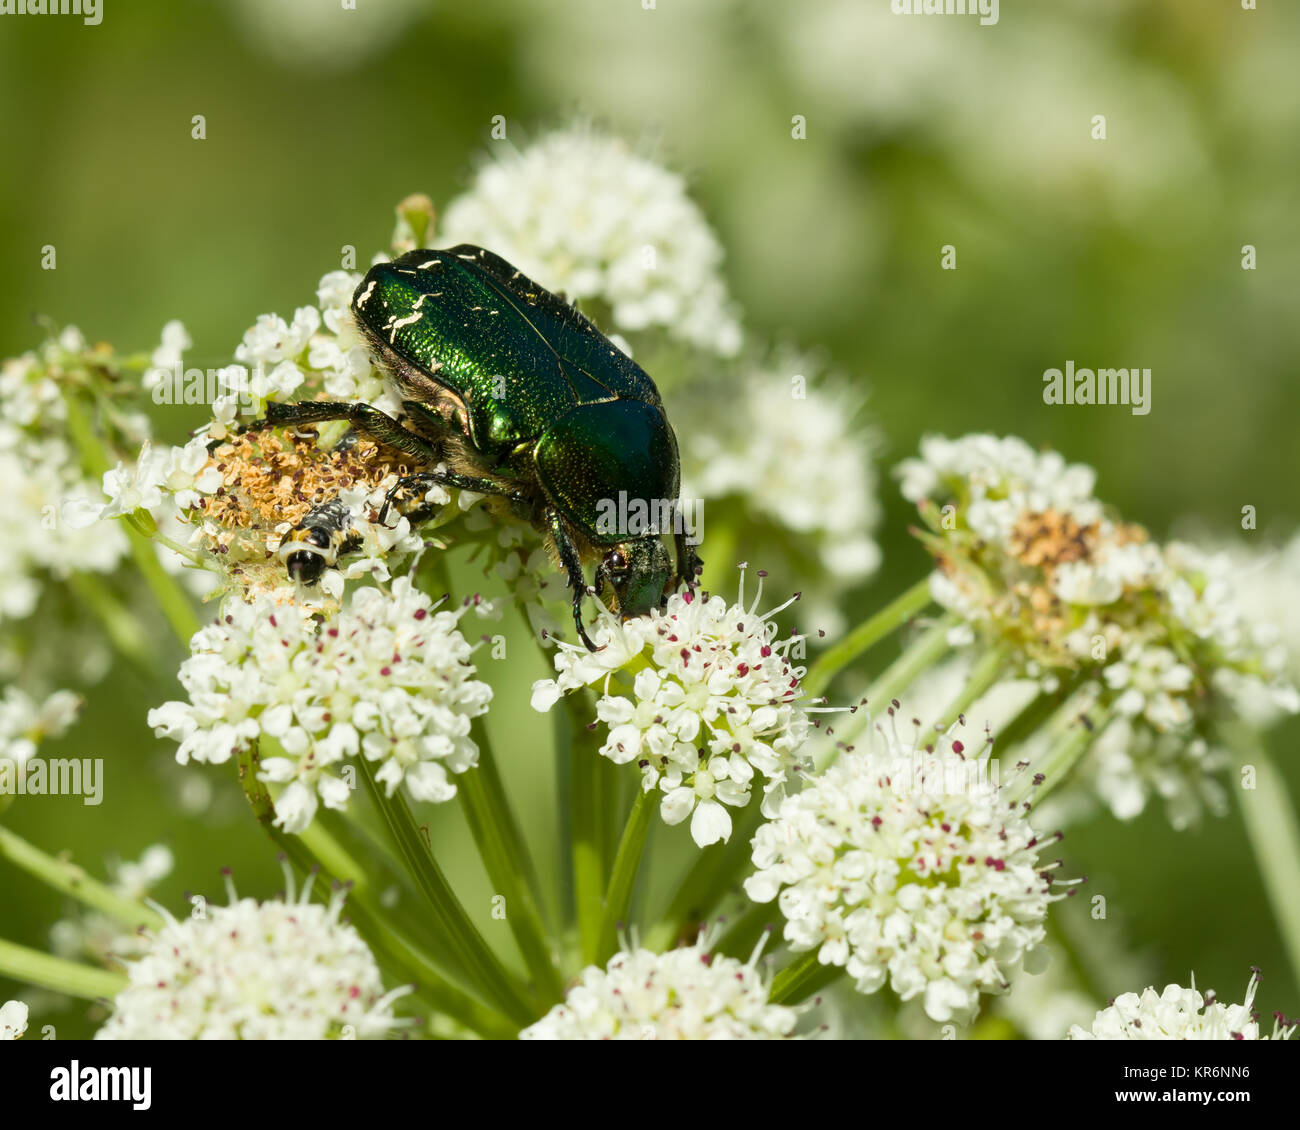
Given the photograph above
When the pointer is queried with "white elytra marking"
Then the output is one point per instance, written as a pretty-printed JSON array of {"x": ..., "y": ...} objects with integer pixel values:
[
  {"x": 429, "y": 265},
  {"x": 395, "y": 324},
  {"x": 369, "y": 291}
]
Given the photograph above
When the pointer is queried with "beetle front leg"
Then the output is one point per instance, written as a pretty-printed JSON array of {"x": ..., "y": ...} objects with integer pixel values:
[
  {"x": 689, "y": 563},
  {"x": 366, "y": 418},
  {"x": 572, "y": 563}
]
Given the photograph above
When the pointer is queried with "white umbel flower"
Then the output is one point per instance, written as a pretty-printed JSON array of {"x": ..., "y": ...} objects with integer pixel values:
[
  {"x": 997, "y": 479},
  {"x": 700, "y": 696},
  {"x": 324, "y": 35},
  {"x": 25, "y": 723},
  {"x": 175, "y": 475},
  {"x": 908, "y": 867},
  {"x": 789, "y": 457},
  {"x": 339, "y": 353},
  {"x": 13, "y": 1020},
  {"x": 39, "y": 471},
  {"x": 1180, "y": 1014},
  {"x": 1031, "y": 563},
  {"x": 319, "y": 350},
  {"x": 579, "y": 212},
  {"x": 388, "y": 679},
  {"x": 684, "y": 994},
  {"x": 91, "y": 933},
  {"x": 1264, "y": 584},
  {"x": 279, "y": 970}
]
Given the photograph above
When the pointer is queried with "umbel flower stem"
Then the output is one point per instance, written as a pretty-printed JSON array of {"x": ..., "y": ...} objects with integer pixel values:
[
  {"x": 1078, "y": 723},
  {"x": 316, "y": 850},
  {"x": 866, "y": 635},
  {"x": 1034, "y": 714},
  {"x": 1274, "y": 835},
  {"x": 392, "y": 947},
  {"x": 499, "y": 839},
  {"x": 622, "y": 879},
  {"x": 501, "y": 845},
  {"x": 71, "y": 977},
  {"x": 476, "y": 959},
  {"x": 715, "y": 871},
  {"x": 922, "y": 654},
  {"x": 986, "y": 672},
  {"x": 588, "y": 857},
  {"x": 70, "y": 879},
  {"x": 743, "y": 933},
  {"x": 348, "y": 841},
  {"x": 804, "y": 976},
  {"x": 563, "y": 746},
  {"x": 171, "y": 598},
  {"x": 122, "y": 628}
]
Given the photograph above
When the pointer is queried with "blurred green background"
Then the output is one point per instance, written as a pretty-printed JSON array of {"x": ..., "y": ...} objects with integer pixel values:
[{"x": 921, "y": 132}]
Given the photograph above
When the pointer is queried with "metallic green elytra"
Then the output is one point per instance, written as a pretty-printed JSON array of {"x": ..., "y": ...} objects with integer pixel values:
[{"x": 520, "y": 396}]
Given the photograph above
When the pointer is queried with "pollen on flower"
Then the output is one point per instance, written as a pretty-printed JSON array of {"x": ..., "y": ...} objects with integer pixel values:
[
  {"x": 270, "y": 478},
  {"x": 284, "y": 969},
  {"x": 1032, "y": 564},
  {"x": 271, "y": 482}
]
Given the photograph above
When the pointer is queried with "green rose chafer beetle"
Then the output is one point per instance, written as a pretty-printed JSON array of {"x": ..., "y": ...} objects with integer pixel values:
[{"x": 516, "y": 394}]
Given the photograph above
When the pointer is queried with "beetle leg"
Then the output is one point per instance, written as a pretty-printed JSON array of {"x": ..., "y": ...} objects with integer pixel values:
[
  {"x": 366, "y": 418},
  {"x": 425, "y": 479},
  {"x": 573, "y": 567},
  {"x": 689, "y": 563},
  {"x": 429, "y": 422},
  {"x": 422, "y": 480}
]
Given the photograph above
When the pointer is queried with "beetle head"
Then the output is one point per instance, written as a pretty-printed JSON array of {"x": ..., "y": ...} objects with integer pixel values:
[{"x": 633, "y": 576}]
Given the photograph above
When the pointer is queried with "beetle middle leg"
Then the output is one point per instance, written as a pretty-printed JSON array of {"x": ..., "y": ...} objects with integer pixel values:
[{"x": 422, "y": 480}]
